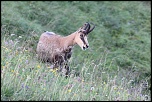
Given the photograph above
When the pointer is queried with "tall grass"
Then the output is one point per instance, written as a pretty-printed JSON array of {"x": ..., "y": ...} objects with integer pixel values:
[
  {"x": 25, "y": 78},
  {"x": 115, "y": 67}
]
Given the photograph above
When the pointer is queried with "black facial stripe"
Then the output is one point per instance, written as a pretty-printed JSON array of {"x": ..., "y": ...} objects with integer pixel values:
[{"x": 82, "y": 38}]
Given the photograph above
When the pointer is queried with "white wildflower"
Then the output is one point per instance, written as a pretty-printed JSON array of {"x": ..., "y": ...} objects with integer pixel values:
[
  {"x": 92, "y": 88},
  {"x": 20, "y": 36},
  {"x": 12, "y": 34}
]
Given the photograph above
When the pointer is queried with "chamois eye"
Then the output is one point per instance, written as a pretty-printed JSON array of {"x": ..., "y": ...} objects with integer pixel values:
[
  {"x": 82, "y": 31},
  {"x": 81, "y": 35}
]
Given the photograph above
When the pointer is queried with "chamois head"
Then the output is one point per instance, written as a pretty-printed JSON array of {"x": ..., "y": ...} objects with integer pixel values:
[{"x": 81, "y": 36}]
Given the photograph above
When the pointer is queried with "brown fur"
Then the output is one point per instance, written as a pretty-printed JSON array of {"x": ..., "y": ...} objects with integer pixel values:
[
  {"x": 57, "y": 49},
  {"x": 52, "y": 47}
]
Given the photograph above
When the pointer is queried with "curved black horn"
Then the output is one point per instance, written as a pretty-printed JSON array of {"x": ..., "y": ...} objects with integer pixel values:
[
  {"x": 91, "y": 29},
  {"x": 87, "y": 30}
]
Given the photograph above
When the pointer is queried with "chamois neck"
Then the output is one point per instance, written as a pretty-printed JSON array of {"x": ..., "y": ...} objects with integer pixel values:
[{"x": 69, "y": 40}]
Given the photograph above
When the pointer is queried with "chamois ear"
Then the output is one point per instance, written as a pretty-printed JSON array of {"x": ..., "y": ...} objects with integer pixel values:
[
  {"x": 86, "y": 28},
  {"x": 86, "y": 25}
]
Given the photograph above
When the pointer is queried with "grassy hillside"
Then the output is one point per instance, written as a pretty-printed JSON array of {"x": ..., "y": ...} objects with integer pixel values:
[{"x": 115, "y": 67}]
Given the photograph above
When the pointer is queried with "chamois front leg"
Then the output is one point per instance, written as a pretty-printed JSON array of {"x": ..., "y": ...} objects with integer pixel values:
[
  {"x": 67, "y": 55},
  {"x": 65, "y": 69}
]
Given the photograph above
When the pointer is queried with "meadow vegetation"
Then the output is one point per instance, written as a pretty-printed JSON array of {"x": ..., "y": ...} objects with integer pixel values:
[{"x": 115, "y": 67}]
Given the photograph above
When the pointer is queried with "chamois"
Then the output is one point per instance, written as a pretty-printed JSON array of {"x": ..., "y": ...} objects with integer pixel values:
[{"x": 57, "y": 49}]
